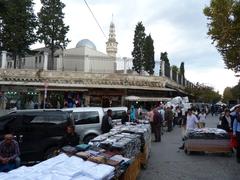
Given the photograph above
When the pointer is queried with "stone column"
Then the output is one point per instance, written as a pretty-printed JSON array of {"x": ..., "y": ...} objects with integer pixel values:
[
  {"x": 177, "y": 80},
  {"x": 4, "y": 59},
  {"x": 171, "y": 73},
  {"x": 182, "y": 79},
  {"x": 60, "y": 63},
  {"x": 163, "y": 68},
  {"x": 45, "y": 63},
  {"x": 86, "y": 64},
  {"x": 125, "y": 65}
]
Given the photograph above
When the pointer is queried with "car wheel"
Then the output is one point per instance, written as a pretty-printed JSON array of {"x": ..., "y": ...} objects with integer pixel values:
[
  {"x": 51, "y": 152},
  {"x": 88, "y": 138}
]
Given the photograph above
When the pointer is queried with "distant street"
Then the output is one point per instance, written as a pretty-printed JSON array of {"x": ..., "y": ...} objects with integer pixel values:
[{"x": 169, "y": 163}]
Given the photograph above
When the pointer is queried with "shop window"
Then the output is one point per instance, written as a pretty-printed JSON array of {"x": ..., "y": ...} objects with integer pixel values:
[{"x": 90, "y": 117}]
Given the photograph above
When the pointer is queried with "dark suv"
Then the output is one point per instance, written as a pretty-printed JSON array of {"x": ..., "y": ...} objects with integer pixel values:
[{"x": 38, "y": 132}]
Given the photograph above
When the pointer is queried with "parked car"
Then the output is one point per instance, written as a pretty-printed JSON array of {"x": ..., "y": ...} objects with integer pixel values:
[
  {"x": 87, "y": 121},
  {"x": 38, "y": 132},
  {"x": 116, "y": 113}
]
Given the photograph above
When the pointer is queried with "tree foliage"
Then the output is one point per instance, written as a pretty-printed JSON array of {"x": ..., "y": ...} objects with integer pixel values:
[
  {"x": 148, "y": 52},
  {"x": 227, "y": 95},
  {"x": 51, "y": 28},
  {"x": 182, "y": 69},
  {"x": 17, "y": 27},
  {"x": 138, "y": 44},
  {"x": 224, "y": 30},
  {"x": 203, "y": 93},
  {"x": 164, "y": 57}
]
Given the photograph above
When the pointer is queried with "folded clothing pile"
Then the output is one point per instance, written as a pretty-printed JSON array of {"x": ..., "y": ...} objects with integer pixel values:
[
  {"x": 206, "y": 133},
  {"x": 62, "y": 167}
]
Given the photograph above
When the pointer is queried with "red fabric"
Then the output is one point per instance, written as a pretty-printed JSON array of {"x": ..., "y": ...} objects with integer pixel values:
[{"x": 233, "y": 141}]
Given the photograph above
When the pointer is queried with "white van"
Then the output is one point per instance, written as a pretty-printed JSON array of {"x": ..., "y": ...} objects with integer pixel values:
[
  {"x": 87, "y": 121},
  {"x": 116, "y": 113}
]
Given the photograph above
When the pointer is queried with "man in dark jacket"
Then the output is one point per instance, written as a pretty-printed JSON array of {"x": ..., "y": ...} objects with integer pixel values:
[
  {"x": 107, "y": 124},
  {"x": 169, "y": 118},
  {"x": 157, "y": 122},
  {"x": 71, "y": 138}
]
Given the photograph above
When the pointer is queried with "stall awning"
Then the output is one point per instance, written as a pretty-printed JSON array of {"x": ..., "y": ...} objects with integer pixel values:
[{"x": 146, "y": 99}]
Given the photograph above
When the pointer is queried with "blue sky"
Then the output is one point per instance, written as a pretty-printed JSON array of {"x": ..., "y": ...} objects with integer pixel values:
[{"x": 178, "y": 27}]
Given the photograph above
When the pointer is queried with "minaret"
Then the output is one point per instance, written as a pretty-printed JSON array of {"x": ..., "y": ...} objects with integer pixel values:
[{"x": 111, "y": 44}]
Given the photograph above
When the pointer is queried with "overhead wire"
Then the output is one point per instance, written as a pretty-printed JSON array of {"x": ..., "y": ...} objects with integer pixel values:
[{"x": 95, "y": 19}]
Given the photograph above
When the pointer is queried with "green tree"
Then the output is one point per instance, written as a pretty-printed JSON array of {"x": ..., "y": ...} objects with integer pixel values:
[
  {"x": 236, "y": 92},
  {"x": 17, "y": 27},
  {"x": 138, "y": 44},
  {"x": 224, "y": 30},
  {"x": 203, "y": 93},
  {"x": 227, "y": 94},
  {"x": 148, "y": 54},
  {"x": 182, "y": 69},
  {"x": 164, "y": 57},
  {"x": 51, "y": 28}
]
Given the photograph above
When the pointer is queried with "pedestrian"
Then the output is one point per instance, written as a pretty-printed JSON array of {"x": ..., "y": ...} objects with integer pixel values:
[
  {"x": 71, "y": 138},
  {"x": 192, "y": 120},
  {"x": 236, "y": 131},
  {"x": 202, "y": 119},
  {"x": 9, "y": 154},
  {"x": 225, "y": 121},
  {"x": 157, "y": 122},
  {"x": 132, "y": 114},
  {"x": 168, "y": 116},
  {"x": 191, "y": 123},
  {"x": 107, "y": 123}
]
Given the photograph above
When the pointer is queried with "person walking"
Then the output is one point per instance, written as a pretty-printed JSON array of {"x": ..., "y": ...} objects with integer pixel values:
[
  {"x": 107, "y": 123},
  {"x": 236, "y": 132},
  {"x": 157, "y": 122},
  {"x": 169, "y": 118},
  {"x": 202, "y": 119},
  {"x": 192, "y": 120}
]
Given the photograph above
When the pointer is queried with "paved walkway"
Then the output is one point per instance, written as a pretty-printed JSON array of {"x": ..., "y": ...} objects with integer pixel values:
[{"x": 168, "y": 163}]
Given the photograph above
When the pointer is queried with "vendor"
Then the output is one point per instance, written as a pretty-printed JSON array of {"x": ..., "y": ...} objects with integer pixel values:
[
  {"x": 71, "y": 138},
  {"x": 9, "y": 154},
  {"x": 107, "y": 123}
]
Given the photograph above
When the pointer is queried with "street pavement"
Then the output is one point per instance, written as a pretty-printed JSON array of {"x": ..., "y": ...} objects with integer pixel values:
[{"x": 166, "y": 162}]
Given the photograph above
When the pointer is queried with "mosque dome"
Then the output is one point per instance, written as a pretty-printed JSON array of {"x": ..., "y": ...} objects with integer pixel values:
[{"x": 86, "y": 43}]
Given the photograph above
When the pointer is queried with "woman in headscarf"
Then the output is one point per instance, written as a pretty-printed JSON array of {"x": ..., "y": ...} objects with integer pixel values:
[{"x": 132, "y": 114}]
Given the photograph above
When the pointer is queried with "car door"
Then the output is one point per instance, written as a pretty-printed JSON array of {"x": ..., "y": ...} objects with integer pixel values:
[{"x": 87, "y": 122}]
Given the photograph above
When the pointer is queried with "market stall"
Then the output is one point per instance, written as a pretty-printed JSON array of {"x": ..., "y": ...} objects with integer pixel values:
[
  {"x": 118, "y": 154},
  {"x": 211, "y": 140}
]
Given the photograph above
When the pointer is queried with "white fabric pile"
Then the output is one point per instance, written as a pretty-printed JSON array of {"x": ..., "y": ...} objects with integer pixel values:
[{"x": 61, "y": 167}]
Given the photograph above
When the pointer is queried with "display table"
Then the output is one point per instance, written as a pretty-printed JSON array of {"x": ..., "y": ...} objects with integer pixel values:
[{"x": 210, "y": 140}]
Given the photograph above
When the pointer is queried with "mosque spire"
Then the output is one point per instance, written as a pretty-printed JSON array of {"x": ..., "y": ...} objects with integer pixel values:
[{"x": 111, "y": 44}]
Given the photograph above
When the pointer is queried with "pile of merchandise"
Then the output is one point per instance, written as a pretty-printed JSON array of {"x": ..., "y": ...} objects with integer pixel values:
[
  {"x": 206, "y": 133},
  {"x": 105, "y": 157},
  {"x": 127, "y": 140},
  {"x": 62, "y": 167}
]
